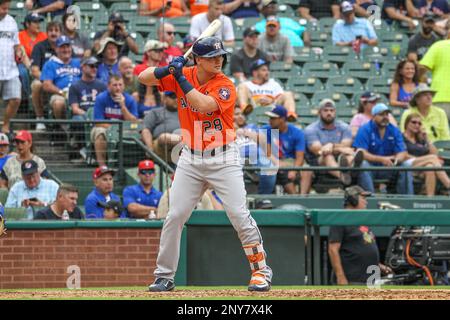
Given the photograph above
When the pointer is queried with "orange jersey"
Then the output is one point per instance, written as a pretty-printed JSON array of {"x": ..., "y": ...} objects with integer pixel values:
[
  {"x": 175, "y": 11},
  {"x": 198, "y": 6},
  {"x": 29, "y": 43},
  {"x": 202, "y": 131}
]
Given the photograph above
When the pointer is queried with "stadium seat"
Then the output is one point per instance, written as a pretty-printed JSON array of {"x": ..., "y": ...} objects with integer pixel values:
[
  {"x": 379, "y": 85},
  {"x": 94, "y": 11},
  {"x": 326, "y": 24},
  {"x": 3, "y": 195},
  {"x": 322, "y": 70},
  {"x": 16, "y": 8},
  {"x": 127, "y": 8},
  {"x": 320, "y": 38},
  {"x": 377, "y": 54},
  {"x": 147, "y": 26},
  {"x": 16, "y": 213},
  {"x": 338, "y": 54},
  {"x": 283, "y": 72},
  {"x": 444, "y": 149},
  {"x": 344, "y": 84},
  {"x": 305, "y": 85},
  {"x": 339, "y": 99},
  {"x": 301, "y": 100},
  {"x": 303, "y": 55},
  {"x": 359, "y": 69},
  {"x": 182, "y": 24}
]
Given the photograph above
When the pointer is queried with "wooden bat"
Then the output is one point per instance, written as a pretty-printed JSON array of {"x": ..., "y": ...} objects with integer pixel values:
[{"x": 208, "y": 32}]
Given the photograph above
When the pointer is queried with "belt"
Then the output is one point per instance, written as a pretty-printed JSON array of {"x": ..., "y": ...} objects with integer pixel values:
[{"x": 211, "y": 153}]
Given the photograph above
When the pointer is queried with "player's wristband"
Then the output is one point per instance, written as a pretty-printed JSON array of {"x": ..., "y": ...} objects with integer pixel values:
[
  {"x": 184, "y": 84},
  {"x": 161, "y": 72}
]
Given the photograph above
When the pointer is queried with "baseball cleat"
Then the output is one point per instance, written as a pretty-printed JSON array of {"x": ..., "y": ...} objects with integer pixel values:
[
  {"x": 258, "y": 282},
  {"x": 161, "y": 284}
]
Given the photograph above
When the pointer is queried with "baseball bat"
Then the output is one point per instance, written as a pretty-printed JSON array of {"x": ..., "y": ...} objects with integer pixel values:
[{"x": 209, "y": 31}]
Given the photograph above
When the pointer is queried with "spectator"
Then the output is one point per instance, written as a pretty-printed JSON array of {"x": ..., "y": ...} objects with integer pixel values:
[
  {"x": 166, "y": 8},
  {"x": 422, "y": 153},
  {"x": 109, "y": 55},
  {"x": 54, "y": 7},
  {"x": 41, "y": 53},
  {"x": 153, "y": 53},
  {"x": 81, "y": 45},
  {"x": 112, "y": 209},
  {"x": 129, "y": 79},
  {"x": 111, "y": 104},
  {"x": 64, "y": 207},
  {"x": 437, "y": 60},
  {"x": 329, "y": 143},
  {"x": 400, "y": 10},
  {"x": 289, "y": 27},
  {"x": 82, "y": 97},
  {"x": 58, "y": 74},
  {"x": 83, "y": 93},
  {"x": 313, "y": 10},
  {"x": 149, "y": 96},
  {"x": 362, "y": 6},
  {"x": 166, "y": 35},
  {"x": 406, "y": 80},
  {"x": 25, "y": 151},
  {"x": 352, "y": 249},
  {"x": 4, "y": 150},
  {"x": 277, "y": 46},
  {"x": 160, "y": 125},
  {"x": 419, "y": 43},
  {"x": 201, "y": 21},
  {"x": 263, "y": 91},
  {"x": 32, "y": 34},
  {"x": 242, "y": 59},
  {"x": 94, "y": 203},
  {"x": 32, "y": 191},
  {"x": 10, "y": 86},
  {"x": 188, "y": 42},
  {"x": 142, "y": 199},
  {"x": 241, "y": 9},
  {"x": 434, "y": 119},
  {"x": 198, "y": 6},
  {"x": 116, "y": 30},
  {"x": 353, "y": 31},
  {"x": 440, "y": 8},
  {"x": 383, "y": 145},
  {"x": 289, "y": 146},
  {"x": 366, "y": 102}
]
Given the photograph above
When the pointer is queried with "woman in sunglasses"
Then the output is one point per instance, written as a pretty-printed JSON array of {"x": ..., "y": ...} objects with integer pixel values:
[{"x": 422, "y": 153}]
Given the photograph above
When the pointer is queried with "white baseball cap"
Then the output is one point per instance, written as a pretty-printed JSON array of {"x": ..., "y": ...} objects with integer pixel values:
[{"x": 4, "y": 140}]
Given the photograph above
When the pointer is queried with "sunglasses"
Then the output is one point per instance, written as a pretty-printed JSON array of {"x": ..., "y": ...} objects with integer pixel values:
[
  {"x": 145, "y": 172},
  {"x": 416, "y": 122},
  {"x": 157, "y": 50},
  {"x": 170, "y": 32},
  {"x": 93, "y": 66}
]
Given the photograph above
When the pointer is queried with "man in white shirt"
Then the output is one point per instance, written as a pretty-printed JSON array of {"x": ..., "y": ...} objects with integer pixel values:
[
  {"x": 263, "y": 91},
  {"x": 202, "y": 20},
  {"x": 10, "y": 52}
]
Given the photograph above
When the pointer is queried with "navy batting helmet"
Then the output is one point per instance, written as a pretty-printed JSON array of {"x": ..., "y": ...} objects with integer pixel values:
[{"x": 209, "y": 47}]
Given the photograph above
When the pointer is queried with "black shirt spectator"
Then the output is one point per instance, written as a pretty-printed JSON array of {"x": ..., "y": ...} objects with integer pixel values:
[
  {"x": 401, "y": 10},
  {"x": 42, "y": 51},
  {"x": 420, "y": 42},
  {"x": 55, "y": 7},
  {"x": 358, "y": 251},
  {"x": 319, "y": 9},
  {"x": 417, "y": 149},
  {"x": 48, "y": 214},
  {"x": 84, "y": 93}
]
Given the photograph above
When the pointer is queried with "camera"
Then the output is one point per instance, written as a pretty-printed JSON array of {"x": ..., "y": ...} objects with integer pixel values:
[{"x": 117, "y": 29}]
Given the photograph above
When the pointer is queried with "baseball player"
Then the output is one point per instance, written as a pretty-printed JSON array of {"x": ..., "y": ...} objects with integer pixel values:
[{"x": 206, "y": 100}]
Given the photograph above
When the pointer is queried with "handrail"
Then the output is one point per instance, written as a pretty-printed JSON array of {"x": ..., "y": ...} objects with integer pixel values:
[{"x": 371, "y": 168}]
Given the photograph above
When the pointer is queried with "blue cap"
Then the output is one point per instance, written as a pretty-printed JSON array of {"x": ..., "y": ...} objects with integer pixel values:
[
  {"x": 277, "y": 112},
  {"x": 379, "y": 108},
  {"x": 258, "y": 63},
  {"x": 62, "y": 41}
]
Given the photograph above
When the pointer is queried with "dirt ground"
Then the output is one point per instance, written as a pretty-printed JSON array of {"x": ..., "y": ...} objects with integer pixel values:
[{"x": 322, "y": 294}]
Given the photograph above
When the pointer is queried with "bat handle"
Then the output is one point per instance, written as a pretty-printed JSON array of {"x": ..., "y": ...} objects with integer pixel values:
[{"x": 171, "y": 70}]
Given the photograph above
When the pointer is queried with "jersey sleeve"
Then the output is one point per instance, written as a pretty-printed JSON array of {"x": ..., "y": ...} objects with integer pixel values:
[
  {"x": 169, "y": 83},
  {"x": 99, "y": 108},
  {"x": 225, "y": 95},
  {"x": 48, "y": 72},
  {"x": 128, "y": 197},
  {"x": 300, "y": 142},
  {"x": 362, "y": 140},
  {"x": 429, "y": 60}
]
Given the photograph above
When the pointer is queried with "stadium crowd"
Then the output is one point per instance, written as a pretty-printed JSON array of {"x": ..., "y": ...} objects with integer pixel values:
[{"x": 68, "y": 73}]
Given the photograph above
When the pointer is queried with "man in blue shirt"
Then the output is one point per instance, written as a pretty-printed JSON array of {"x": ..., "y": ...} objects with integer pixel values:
[
  {"x": 383, "y": 145},
  {"x": 346, "y": 32},
  {"x": 58, "y": 74},
  {"x": 329, "y": 142},
  {"x": 102, "y": 193},
  {"x": 109, "y": 54},
  {"x": 113, "y": 104},
  {"x": 286, "y": 147},
  {"x": 142, "y": 199},
  {"x": 290, "y": 28},
  {"x": 4, "y": 150}
]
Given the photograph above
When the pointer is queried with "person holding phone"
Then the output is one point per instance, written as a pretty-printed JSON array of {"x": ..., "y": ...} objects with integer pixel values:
[{"x": 32, "y": 191}]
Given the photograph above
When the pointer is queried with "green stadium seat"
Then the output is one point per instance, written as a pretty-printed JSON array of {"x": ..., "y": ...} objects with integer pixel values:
[
  {"x": 285, "y": 10},
  {"x": 301, "y": 100},
  {"x": 322, "y": 70},
  {"x": 380, "y": 85},
  {"x": 16, "y": 213},
  {"x": 16, "y": 8},
  {"x": 388, "y": 68},
  {"x": 326, "y": 24},
  {"x": 182, "y": 24},
  {"x": 320, "y": 38},
  {"x": 94, "y": 11},
  {"x": 303, "y": 55},
  {"x": 338, "y": 54},
  {"x": 147, "y": 26},
  {"x": 344, "y": 84},
  {"x": 3, "y": 195},
  {"x": 359, "y": 69},
  {"x": 128, "y": 8},
  {"x": 339, "y": 99},
  {"x": 444, "y": 149},
  {"x": 305, "y": 85},
  {"x": 283, "y": 72}
]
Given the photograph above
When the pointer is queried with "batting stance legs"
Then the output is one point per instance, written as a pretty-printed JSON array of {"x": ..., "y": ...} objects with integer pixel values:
[{"x": 192, "y": 177}]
